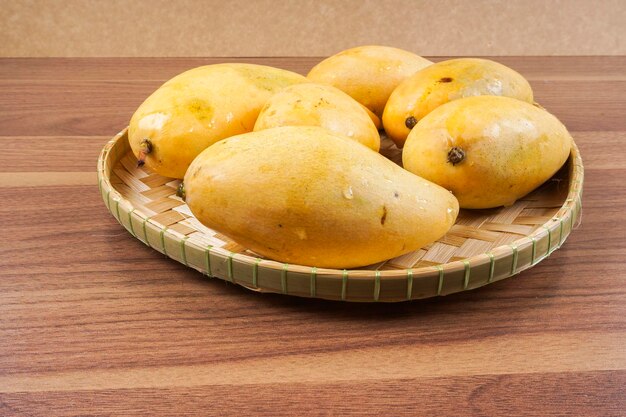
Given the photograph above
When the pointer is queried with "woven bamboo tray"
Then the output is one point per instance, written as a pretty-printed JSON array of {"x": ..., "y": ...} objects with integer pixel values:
[{"x": 483, "y": 246}]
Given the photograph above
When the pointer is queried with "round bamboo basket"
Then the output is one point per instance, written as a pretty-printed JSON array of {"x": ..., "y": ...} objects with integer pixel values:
[{"x": 483, "y": 246}]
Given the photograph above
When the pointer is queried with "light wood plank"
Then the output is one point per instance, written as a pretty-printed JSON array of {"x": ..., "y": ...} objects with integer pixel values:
[
  {"x": 589, "y": 394},
  {"x": 530, "y": 354},
  {"x": 43, "y": 179}
]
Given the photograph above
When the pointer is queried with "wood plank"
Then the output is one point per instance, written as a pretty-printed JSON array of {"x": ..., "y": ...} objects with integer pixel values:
[
  {"x": 128, "y": 69},
  {"x": 528, "y": 354},
  {"x": 602, "y": 150},
  {"x": 82, "y": 108},
  {"x": 161, "y": 69},
  {"x": 43, "y": 179},
  {"x": 584, "y": 105},
  {"x": 589, "y": 394},
  {"x": 50, "y": 153}
]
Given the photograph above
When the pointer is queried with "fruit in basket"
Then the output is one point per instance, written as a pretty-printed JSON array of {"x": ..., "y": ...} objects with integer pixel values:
[
  {"x": 198, "y": 108},
  {"x": 303, "y": 195},
  {"x": 488, "y": 150},
  {"x": 319, "y": 105},
  {"x": 445, "y": 81},
  {"x": 375, "y": 119},
  {"x": 368, "y": 73}
]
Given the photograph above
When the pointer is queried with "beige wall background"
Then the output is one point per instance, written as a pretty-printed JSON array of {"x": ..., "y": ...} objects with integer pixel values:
[{"x": 315, "y": 28}]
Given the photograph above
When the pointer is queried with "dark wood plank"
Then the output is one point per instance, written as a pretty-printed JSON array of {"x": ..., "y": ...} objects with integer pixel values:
[
  {"x": 161, "y": 69},
  {"x": 81, "y": 108},
  {"x": 128, "y": 69}
]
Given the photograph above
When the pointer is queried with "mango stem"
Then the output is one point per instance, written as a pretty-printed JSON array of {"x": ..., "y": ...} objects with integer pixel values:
[
  {"x": 180, "y": 191},
  {"x": 145, "y": 147},
  {"x": 456, "y": 155}
]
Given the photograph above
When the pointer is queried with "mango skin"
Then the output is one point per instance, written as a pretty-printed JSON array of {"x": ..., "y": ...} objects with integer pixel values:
[
  {"x": 200, "y": 107},
  {"x": 368, "y": 73},
  {"x": 511, "y": 147},
  {"x": 303, "y": 195},
  {"x": 445, "y": 81},
  {"x": 319, "y": 105},
  {"x": 375, "y": 119}
]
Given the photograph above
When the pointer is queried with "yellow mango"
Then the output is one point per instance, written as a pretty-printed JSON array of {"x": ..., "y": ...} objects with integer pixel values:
[
  {"x": 375, "y": 119},
  {"x": 319, "y": 105},
  {"x": 445, "y": 81},
  {"x": 488, "y": 150},
  {"x": 198, "y": 108},
  {"x": 303, "y": 195},
  {"x": 368, "y": 73}
]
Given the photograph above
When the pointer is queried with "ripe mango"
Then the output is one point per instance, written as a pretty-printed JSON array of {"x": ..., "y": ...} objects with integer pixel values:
[
  {"x": 489, "y": 151},
  {"x": 303, "y": 195},
  {"x": 319, "y": 105},
  {"x": 368, "y": 73},
  {"x": 445, "y": 81},
  {"x": 198, "y": 108}
]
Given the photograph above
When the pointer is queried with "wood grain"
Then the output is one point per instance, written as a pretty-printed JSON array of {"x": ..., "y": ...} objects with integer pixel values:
[
  {"x": 589, "y": 394},
  {"x": 493, "y": 356},
  {"x": 93, "y": 322},
  {"x": 161, "y": 69}
]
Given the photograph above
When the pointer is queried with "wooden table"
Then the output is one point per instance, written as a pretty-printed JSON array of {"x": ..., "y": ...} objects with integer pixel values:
[{"x": 93, "y": 322}]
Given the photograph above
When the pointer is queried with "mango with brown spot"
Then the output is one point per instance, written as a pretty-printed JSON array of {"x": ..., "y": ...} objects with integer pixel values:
[
  {"x": 489, "y": 151},
  {"x": 303, "y": 195},
  {"x": 198, "y": 108},
  {"x": 445, "y": 81}
]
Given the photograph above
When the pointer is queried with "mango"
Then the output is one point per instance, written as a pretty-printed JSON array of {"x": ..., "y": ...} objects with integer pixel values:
[
  {"x": 319, "y": 105},
  {"x": 198, "y": 108},
  {"x": 368, "y": 73},
  {"x": 303, "y": 195},
  {"x": 489, "y": 151},
  {"x": 375, "y": 119},
  {"x": 445, "y": 81}
]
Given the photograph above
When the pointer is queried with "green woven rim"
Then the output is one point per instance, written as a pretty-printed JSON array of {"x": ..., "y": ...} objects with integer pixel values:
[{"x": 348, "y": 285}]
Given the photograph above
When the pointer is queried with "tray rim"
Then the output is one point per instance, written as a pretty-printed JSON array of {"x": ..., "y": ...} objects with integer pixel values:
[{"x": 555, "y": 231}]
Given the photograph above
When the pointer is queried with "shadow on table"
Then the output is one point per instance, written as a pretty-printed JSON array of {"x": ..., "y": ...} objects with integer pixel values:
[{"x": 543, "y": 282}]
